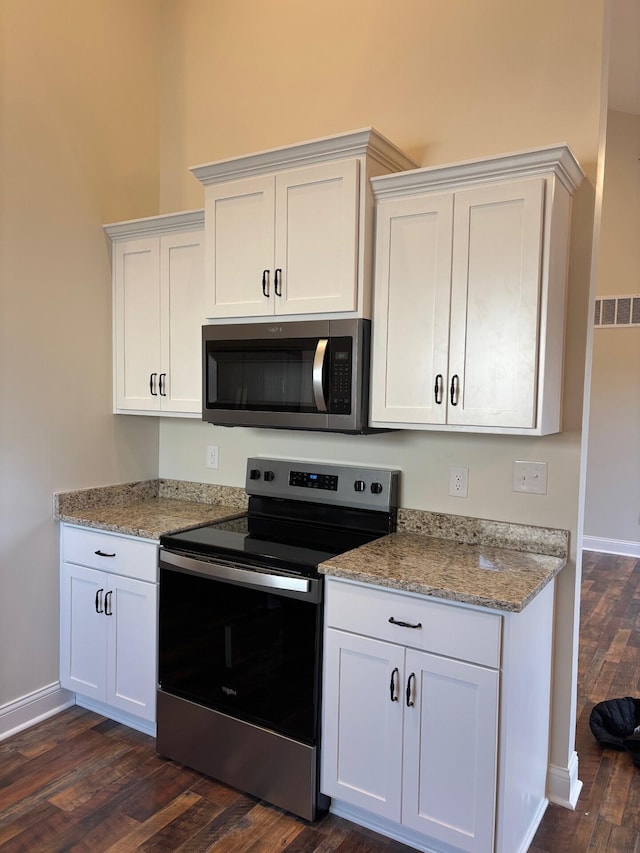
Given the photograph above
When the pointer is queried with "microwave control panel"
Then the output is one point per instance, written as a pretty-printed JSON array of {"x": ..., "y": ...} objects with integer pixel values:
[{"x": 340, "y": 376}]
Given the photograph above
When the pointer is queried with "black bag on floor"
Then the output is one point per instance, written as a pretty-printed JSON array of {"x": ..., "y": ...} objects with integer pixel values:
[{"x": 614, "y": 723}]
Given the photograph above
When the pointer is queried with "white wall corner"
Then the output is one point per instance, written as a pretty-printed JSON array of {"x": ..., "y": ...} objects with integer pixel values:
[
  {"x": 33, "y": 708},
  {"x": 563, "y": 785}
]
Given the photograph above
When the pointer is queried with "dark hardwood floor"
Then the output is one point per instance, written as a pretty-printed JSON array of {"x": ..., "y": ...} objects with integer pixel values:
[
  {"x": 607, "y": 815},
  {"x": 79, "y": 782}
]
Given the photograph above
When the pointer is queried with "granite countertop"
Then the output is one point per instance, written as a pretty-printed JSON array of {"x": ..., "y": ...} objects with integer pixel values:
[
  {"x": 152, "y": 518},
  {"x": 484, "y": 575},
  {"x": 149, "y": 509},
  {"x": 477, "y": 561}
]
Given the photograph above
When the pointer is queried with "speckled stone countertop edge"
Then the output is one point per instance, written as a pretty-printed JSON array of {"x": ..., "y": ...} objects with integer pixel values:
[
  {"x": 457, "y": 595},
  {"x": 482, "y": 575}
]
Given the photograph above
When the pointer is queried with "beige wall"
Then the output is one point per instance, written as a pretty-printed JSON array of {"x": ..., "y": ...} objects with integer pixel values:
[
  {"x": 445, "y": 81},
  {"x": 78, "y": 146},
  {"x": 612, "y": 508}
]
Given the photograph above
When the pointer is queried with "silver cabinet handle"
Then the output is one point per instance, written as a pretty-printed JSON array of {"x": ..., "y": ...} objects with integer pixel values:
[{"x": 318, "y": 372}]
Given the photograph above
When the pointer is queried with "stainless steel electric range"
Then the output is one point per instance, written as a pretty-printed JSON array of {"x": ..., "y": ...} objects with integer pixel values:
[{"x": 240, "y": 626}]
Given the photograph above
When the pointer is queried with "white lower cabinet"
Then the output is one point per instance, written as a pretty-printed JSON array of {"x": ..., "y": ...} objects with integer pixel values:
[
  {"x": 108, "y": 646},
  {"x": 415, "y": 719}
]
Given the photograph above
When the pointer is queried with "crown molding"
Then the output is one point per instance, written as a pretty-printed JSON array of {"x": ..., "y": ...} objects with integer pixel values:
[
  {"x": 153, "y": 226},
  {"x": 555, "y": 159},
  {"x": 358, "y": 143}
]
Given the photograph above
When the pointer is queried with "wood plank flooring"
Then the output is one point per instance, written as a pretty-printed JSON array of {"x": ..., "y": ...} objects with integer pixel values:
[
  {"x": 79, "y": 782},
  {"x": 607, "y": 815}
]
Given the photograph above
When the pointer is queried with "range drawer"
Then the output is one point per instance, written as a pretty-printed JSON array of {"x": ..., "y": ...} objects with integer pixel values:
[
  {"x": 110, "y": 552},
  {"x": 444, "y": 629}
]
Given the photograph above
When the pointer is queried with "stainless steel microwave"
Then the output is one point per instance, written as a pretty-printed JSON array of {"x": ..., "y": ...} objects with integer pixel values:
[{"x": 309, "y": 374}]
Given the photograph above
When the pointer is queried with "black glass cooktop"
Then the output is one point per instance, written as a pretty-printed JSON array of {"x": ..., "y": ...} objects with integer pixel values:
[{"x": 289, "y": 545}]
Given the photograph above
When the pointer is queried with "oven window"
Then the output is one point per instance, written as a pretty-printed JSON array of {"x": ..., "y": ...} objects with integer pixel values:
[
  {"x": 274, "y": 376},
  {"x": 253, "y": 655}
]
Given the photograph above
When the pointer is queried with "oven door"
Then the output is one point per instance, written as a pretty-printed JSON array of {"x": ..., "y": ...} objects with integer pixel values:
[{"x": 243, "y": 642}]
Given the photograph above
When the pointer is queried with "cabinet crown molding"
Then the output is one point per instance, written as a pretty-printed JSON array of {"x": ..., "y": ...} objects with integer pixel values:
[
  {"x": 365, "y": 142},
  {"x": 555, "y": 159},
  {"x": 152, "y": 226}
]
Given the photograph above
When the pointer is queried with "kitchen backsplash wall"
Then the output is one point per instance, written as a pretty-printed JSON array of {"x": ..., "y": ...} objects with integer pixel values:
[{"x": 424, "y": 460}]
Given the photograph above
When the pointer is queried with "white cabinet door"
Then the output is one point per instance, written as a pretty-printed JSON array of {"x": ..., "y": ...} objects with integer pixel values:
[
  {"x": 159, "y": 311},
  {"x": 457, "y": 308},
  {"x": 283, "y": 244},
  {"x": 411, "y": 328},
  {"x": 137, "y": 324},
  {"x": 83, "y": 631},
  {"x": 182, "y": 315},
  {"x": 130, "y": 609},
  {"x": 362, "y": 724},
  {"x": 450, "y": 751},
  {"x": 239, "y": 228},
  {"x": 495, "y": 304},
  {"x": 108, "y": 639},
  {"x": 316, "y": 239}
]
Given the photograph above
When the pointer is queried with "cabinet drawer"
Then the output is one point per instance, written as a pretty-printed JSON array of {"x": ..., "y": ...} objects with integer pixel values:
[
  {"x": 120, "y": 555},
  {"x": 445, "y": 629}
]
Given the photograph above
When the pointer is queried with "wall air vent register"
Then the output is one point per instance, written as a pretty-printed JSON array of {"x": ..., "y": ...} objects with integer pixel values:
[{"x": 618, "y": 311}]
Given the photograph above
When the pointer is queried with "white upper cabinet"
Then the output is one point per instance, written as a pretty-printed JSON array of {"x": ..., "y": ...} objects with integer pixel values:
[
  {"x": 158, "y": 311},
  {"x": 468, "y": 322},
  {"x": 289, "y": 231}
]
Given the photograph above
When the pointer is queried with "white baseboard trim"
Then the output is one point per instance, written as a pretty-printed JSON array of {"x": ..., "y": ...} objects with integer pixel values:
[
  {"x": 611, "y": 546},
  {"x": 385, "y": 827},
  {"x": 140, "y": 725},
  {"x": 533, "y": 828},
  {"x": 28, "y": 710},
  {"x": 563, "y": 785}
]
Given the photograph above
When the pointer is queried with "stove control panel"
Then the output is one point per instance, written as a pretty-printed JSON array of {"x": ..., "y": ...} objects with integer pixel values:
[
  {"x": 323, "y": 482},
  {"x": 312, "y": 480}
]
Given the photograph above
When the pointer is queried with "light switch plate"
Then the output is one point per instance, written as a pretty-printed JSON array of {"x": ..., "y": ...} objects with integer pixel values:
[{"x": 530, "y": 477}]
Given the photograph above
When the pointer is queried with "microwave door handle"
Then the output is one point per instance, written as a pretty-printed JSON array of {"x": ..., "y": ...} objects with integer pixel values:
[{"x": 318, "y": 371}]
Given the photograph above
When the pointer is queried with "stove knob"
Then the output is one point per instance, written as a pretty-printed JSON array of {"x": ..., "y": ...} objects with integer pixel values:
[
  {"x": 268, "y": 476},
  {"x": 376, "y": 488},
  {"x": 359, "y": 485},
  {"x": 254, "y": 474}
]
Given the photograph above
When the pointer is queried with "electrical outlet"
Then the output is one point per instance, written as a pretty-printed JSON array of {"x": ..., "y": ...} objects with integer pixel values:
[
  {"x": 212, "y": 456},
  {"x": 458, "y": 482},
  {"x": 530, "y": 477}
]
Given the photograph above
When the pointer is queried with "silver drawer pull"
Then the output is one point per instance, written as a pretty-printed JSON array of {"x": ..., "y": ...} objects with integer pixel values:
[
  {"x": 100, "y": 553},
  {"x": 404, "y": 624}
]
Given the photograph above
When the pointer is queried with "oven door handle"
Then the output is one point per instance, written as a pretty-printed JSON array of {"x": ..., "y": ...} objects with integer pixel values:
[
  {"x": 231, "y": 574},
  {"x": 318, "y": 374}
]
